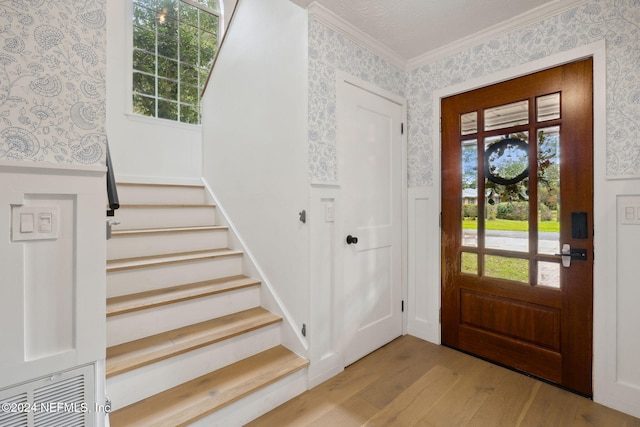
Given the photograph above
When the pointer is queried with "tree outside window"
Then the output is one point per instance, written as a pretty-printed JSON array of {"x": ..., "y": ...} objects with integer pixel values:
[{"x": 174, "y": 44}]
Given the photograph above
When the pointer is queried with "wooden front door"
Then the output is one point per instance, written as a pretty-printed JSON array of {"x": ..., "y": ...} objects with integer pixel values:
[{"x": 517, "y": 191}]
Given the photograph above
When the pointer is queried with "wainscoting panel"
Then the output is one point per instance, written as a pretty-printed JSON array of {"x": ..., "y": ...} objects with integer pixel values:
[{"x": 423, "y": 264}]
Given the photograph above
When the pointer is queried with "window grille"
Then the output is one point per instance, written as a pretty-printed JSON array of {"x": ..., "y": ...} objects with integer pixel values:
[{"x": 174, "y": 45}]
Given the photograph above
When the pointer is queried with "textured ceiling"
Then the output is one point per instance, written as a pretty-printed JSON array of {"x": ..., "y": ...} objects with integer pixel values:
[{"x": 414, "y": 27}]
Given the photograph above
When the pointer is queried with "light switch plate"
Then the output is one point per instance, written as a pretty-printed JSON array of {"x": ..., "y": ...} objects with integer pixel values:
[
  {"x": 629, "y": 210},
  {"x": 34, "y": 223},
  {"x": 328, "y": 212}
]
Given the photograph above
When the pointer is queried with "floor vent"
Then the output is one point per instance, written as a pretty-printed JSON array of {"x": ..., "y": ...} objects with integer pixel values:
[{"x": 64, "y": 399}]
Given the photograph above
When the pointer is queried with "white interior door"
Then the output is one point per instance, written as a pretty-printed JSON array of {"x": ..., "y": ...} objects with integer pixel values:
[{"x": 370, "y": 167}]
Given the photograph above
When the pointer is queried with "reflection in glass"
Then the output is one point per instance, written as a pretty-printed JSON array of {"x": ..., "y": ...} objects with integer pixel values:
[
  {"x": 500, "y": 267},
  {"x": 469, "y": 123},
  {"x": 549, "y": 274},
  {"x": 548, "y": 190},
  {"x": 548, "y": 107},
  {"x": 469, "y": 263},
  {"x": 470, "y": 193},
  {"x": 507, "y": 161},
  {"x": 507, "y": 200},
  {"x": 506, "y": 115}
]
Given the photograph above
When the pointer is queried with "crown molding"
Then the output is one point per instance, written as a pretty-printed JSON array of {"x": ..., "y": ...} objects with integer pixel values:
[
  {"x": 520, "y": 21},
  {"x": 335, "y": 22}
]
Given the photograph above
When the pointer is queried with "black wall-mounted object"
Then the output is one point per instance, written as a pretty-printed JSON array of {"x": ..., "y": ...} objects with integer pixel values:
[{"x": 579, "y": 228}]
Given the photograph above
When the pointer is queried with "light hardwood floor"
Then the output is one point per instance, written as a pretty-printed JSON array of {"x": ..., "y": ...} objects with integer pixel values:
[{"x": 410, "y": 382}]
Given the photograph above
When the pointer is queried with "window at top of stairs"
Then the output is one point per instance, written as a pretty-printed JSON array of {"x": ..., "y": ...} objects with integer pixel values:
[{"x": 174, "y": 45}]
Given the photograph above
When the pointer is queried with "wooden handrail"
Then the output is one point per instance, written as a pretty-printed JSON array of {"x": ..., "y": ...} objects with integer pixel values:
[{"x": 224, "y": 36}]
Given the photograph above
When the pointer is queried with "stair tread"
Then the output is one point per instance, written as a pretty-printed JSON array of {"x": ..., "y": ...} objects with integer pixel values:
[
  {"x": 142, "y": 300},
  {"x": 116, "y": 233},
  {"x": 200, "y": 397},
  {"x": 131, "y": 355},
  {"x": 148, "y": 261}
]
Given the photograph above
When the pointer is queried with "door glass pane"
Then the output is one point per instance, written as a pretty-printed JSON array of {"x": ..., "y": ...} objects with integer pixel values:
[
  {"x": 507, "y": 115},
  {"x": 469, "y": 123},
  {"x": 548, "y": 107},
  {"x": 470, "y": 193},
  {"x": 506, "y": 169},
  {"x": 469, "y": 263},
  {"x": 502, "y": 267},
  {"x": 548, "y": 190},
  {"x": 549, "y": 274}
]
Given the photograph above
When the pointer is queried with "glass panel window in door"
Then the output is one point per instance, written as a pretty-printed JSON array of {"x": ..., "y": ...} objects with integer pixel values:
[
  {"x": 505, "y": 116},
  {"x": 469, "y": 123},
  {"x": 506, "y": 170},
  {"x": 548, "y": 190},
  {"x": 549, "y": 274},
  {"x": 548, "y": 107},
  {"x": 506, "y": 268},
  {"x": 469, "y": 263},
  {"x": 470, "y": 193}
]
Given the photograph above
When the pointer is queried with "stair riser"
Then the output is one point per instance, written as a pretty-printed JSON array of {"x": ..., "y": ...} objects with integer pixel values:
[
  {"x": 132, "y": 218},
  {"x": 141, "y": 383},
  {"x": 149, "y": 244},
  {"x": 159, "y": 194},
  {"x": 136, "y": 280},
  {"x": 139, "y": 324},
  {"x": 259, "y": 403}
]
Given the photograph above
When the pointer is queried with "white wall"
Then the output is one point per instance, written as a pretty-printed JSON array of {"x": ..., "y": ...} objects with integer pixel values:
[
  {"x": 142, "y": 148},
  {"x": 52, "y": 153},
  {"x": 255, "y": 142},
  {"x": 53, "y": 291}
]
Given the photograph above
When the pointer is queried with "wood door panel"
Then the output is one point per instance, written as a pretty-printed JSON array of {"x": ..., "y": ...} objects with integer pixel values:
[
  {"x": 505, "y": 289},
  {"x": 536, "y": 324},
  {"x": 510, "y": 352}
]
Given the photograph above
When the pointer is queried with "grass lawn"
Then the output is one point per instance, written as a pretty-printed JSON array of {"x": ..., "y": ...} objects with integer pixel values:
[
  {"x": 508, "y": 225},
  {"x": 497, "y": 266}
]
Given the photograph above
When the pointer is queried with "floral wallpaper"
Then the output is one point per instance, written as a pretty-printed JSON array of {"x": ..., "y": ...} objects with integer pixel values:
[
  {"x": 330, "y": 51},
  {"x": 616, "y": 21},
  {"x": 52, "y": 81}
]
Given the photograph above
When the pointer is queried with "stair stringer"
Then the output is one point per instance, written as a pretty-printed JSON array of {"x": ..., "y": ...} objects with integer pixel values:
[{"x": 291, "y": 337}]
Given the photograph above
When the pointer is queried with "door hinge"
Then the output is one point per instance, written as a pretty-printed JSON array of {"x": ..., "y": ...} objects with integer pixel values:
[
  {"x": 401, "y": 128},
  {"x": 440, "y": 219},
  {"x": 440, "y": 315},
  {"x": 402, "y": 306}
]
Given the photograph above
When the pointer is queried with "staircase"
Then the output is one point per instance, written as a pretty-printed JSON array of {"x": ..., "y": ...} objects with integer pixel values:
[{"x": 187, "y": 340}]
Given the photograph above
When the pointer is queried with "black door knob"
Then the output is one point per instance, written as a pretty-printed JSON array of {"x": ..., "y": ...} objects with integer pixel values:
[{"x": 351, "y": 240}]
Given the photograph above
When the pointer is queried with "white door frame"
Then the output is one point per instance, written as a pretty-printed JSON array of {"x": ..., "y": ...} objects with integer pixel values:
[
  {"x": 606, "y": 390},
  {"x": 342, "y": 79}
]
